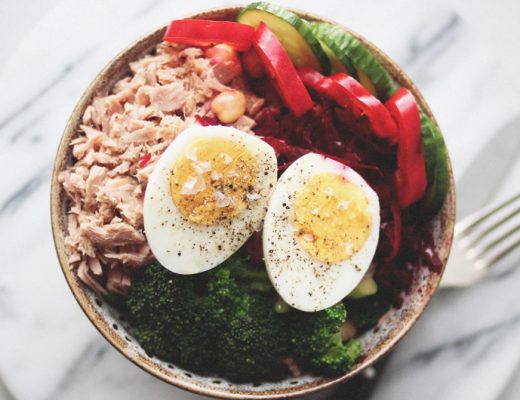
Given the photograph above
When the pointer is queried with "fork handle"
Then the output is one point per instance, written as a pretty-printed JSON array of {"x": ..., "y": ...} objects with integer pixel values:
[{"x": 459, "y": 272}]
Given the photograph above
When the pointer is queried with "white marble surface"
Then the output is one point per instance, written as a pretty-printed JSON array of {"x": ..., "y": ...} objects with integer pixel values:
[{"x": 465, "y": 58}]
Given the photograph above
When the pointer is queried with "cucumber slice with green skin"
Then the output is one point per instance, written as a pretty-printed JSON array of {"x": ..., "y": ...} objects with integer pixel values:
[
  {"x": 436, "y": 161},
  {"x": 338, "y": 66},
  {"x": 355, "y": 56},
  {"x": 335, "y": 63},
  {"x": 367, "y": 287},
  {"x": 293, "y": 32},
  {"x": 366, "y": 82},
  {"x": 331, "y": 48}
]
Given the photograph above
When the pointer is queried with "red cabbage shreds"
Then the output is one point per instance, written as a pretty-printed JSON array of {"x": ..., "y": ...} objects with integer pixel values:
[
  {"x": 417, "y": 244},
  {"x": 285, "y": 153},
  {"x": 268, "y": 123},
  {"x": 316, "y": 132},
  {"x": 359, "y": 128},
  {"x": 321, "y": 131},
  {"x": 254, "y": 249},
  {"x": 206, "y": 120},
  {"x": 390, "y": 223},
  {"x": 266, "y": 90},
  {"x": 396, "y": 231},
  {"x": 353, "y": 161},
  {"x": 394, "y": 279}
]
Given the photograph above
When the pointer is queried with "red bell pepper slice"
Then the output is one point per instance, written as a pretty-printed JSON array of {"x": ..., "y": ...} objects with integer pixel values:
[
  {"x": 312, "y": 78},
  {"x": 381, "y": 122},
  {"x": 144, "y": 160},
  {"x": 324, "y": 85},
  {"x": 201, "y": 32},
  {"x": 350, "y": 94},
  {"x": 410, "y": 177},
  {"x": 281, "y": 70}
]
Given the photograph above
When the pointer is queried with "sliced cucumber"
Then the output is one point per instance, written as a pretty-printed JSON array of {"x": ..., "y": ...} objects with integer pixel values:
[
  {"x": 331, "y": 49},
  {"x": 436, "y": 160},
  {"x": 356, "y": 57},
  {"x": 366, "y": 82},
  {"x": 293, "y": 32},
  {"x": 335, "y": 63},
  {"x": 367, "y": 287}
]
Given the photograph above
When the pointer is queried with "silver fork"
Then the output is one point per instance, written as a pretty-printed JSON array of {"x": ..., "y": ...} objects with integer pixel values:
[{"x": 481, "y": 240}]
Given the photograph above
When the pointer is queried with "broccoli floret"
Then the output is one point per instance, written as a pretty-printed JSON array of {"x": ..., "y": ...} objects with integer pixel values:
[
  {"x": 251, "y": 338},
  {"x": 224, "y": 321},
  {"x": 163, "y": 310},
  {"x": 366, "y": 312},
  {"x": 221, "y": 320},
  {"x": 252, "y": 346},
  {"x": 316, "y": 341}
]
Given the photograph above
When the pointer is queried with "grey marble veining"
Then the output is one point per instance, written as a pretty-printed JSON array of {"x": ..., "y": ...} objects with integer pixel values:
[{"x": 464, "y": 57}]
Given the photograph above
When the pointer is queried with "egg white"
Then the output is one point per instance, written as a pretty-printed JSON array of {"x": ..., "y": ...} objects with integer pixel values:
[
  {"x": 302, "y": 281},
  {"x": 185, "y": 247}
]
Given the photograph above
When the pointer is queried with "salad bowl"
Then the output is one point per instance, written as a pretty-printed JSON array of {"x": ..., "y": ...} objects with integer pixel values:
[{"x": 376, "y": 342}]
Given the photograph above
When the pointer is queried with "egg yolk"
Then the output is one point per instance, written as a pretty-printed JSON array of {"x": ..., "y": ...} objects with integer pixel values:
[
  {"x": 213, "y": 181},
  {"x": 331, "y": 218}
]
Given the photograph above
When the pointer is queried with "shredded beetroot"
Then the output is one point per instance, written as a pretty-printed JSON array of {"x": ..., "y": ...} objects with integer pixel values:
[
  {"x": 285, "y": 153},
  {"x": 396, "y": 231},
  {"x": 144, "y": 160},
  {"x": 206, "y": 120},
  {"x": 253, "y": 248}
]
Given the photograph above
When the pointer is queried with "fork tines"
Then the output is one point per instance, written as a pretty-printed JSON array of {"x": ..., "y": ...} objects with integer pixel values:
[{"x": 492, "y": 233}]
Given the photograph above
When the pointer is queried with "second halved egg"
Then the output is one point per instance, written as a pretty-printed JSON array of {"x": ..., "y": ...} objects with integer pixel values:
[{"x": 320, "y": 232}]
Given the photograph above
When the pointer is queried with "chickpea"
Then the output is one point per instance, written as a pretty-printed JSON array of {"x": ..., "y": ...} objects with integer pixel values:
[
  {"x": 229, "y": 106},
  {"x": 220, "y": 53}
]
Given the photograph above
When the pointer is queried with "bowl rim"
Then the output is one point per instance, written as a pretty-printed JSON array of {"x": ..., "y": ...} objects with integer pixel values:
[{"x": 78, "y": 290}]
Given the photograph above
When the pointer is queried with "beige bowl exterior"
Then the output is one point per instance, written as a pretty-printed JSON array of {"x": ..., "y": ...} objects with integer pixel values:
[{"x": 376, "y": 343}]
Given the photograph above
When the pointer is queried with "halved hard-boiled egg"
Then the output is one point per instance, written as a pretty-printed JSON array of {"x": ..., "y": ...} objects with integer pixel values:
[
  {"x": 320, "y": 232},
  {"x": 207, "y": 194}
]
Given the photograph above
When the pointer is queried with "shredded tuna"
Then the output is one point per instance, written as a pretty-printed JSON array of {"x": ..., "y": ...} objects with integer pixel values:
[
  {"x": 111, "y": 235},
  {"x": 170, "y": 97},
  {"x": 244, "y": 123},
  {"x": 118, "y": 281},
  {"x": 105, "y": 184},
  {"x": 96, "y": 178},
  {"x": 253, "y": 104},
  {"x": 95, "y": 266},
  {"x": 131, "y": 256},
  {"x": 86, "y": 276},
  {"x": 226, "y": 71}
]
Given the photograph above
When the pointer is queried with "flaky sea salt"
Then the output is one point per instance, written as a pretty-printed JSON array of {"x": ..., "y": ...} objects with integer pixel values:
[
  {"x": 193, "y": 185},
  {"x": 222, "y": 199}
]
